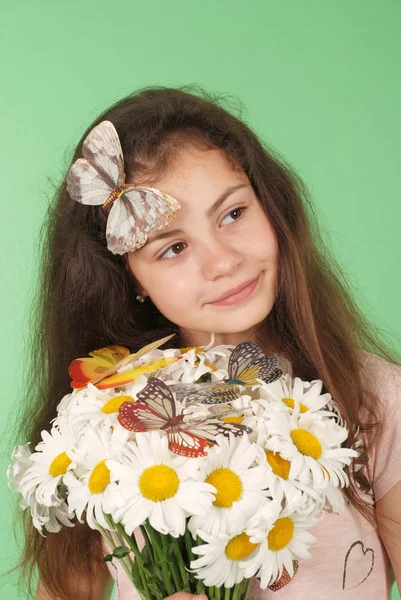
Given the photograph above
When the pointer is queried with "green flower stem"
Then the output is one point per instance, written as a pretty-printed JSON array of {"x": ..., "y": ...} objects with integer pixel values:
[
  {"x": 247, "y": 583},
  {"x": 190, "y": 557},
  {"x": 248, "y": 588},
  {"x": 127, "y": 561},
  {"x": 237, "y": 591},
  {"x": 159, "y": 552},
  {"x": 227, "y": 593},
  {"x": 181, "y": 565},
  {"x": 148, "y": 543},
  {"x": 188, "y": 544},
  {"x": 131, "y": 541},
  {"x": 112, "y": 544},
  {"x": 217, "y": 593},
  {"x": 174, "y": 572},
  {"x": 202, "y": 589}
]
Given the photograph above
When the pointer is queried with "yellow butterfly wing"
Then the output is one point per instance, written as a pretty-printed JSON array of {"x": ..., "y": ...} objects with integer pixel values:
[
  {"x": 133, "y": 374},
  {"x": 84, "y": 370}
]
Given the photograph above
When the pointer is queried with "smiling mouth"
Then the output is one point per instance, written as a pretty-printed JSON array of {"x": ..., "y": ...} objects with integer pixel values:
[{"x": 237, "y": 294}]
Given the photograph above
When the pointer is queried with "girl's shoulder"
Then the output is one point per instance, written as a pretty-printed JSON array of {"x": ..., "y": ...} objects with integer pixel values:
[
  {"x": 372, "y": 363},
  {"x": 383, "y": 379}
]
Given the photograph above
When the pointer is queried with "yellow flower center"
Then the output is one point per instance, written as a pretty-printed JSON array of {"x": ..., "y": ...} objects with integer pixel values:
[
  {"x": 306, "y": 443},
  {"x": 113, "y": 405},
  {"x": 99, "y": 479},
  {"x": 280, "y": 466},
  {"x": 291, "y": 403},
  {"x": 228, "y": 486},
  {"x": 239, "y": 547},
  {"x": 237, "y": 420},
  {"x": 159, "y": 483},
  {"x": 188, "y": 348},
  {"x": 281, "y": 534},
  {"x": 59, "y": 465}
]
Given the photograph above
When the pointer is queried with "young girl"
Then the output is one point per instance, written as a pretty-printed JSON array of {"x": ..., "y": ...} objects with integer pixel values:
[{"x": 242, "y": 258}]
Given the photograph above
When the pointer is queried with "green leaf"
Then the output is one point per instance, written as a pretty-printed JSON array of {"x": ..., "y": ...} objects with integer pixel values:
[
  {"x": 154, "y": 572},
  {"x": 107, "y": 558},
  {"x": 137, "y": 578},
  {"x": 204, "y": 378},
  {"x": 121, "y": 551},
  {"x": 154, "y": 589}
]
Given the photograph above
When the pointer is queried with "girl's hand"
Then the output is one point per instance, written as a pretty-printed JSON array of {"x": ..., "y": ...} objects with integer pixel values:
[{"x": 185, "y": 596}]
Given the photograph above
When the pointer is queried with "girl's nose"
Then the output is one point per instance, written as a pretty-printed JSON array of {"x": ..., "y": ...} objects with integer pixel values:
[{"x": 219, "y": 260}]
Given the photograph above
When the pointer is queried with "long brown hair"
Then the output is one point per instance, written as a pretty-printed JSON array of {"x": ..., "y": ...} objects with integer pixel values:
[{"x": 86, "y": 296}]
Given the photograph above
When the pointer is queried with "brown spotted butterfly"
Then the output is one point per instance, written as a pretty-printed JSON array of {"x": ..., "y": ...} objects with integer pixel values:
[
  {"x": 246, "y": 365},
  {"x": 155, "y": 408}
]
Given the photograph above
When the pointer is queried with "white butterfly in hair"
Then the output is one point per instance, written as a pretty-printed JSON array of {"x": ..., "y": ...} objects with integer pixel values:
[
  {"x": 246, "y": 366},
  {"x": 99, "y": 178}
]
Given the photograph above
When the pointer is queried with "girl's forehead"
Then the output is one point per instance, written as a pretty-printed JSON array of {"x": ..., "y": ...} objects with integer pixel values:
[{"x": 199, "y": 175}]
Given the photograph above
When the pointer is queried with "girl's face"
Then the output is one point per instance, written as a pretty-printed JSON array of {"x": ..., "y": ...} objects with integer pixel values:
[{"x": 220, "y": 242}]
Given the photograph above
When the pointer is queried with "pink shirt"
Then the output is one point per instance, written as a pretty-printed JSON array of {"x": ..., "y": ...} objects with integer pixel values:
[{"x": 348, "y": 560}]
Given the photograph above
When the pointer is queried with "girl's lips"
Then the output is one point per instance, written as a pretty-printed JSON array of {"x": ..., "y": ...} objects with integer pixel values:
[{"x": 239, "y": 296}]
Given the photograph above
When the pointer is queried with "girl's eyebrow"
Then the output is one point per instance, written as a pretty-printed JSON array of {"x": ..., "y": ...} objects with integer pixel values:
[
  {"x": 209, "y": 212},
  {"x": 223, "y": 196}
]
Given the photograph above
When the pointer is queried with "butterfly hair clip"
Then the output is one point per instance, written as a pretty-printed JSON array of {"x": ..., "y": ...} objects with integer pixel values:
[
  {"x": 155, "y": 408},
  {"x": 99, "y": 178},
  {"x": 246, "y": 367}
]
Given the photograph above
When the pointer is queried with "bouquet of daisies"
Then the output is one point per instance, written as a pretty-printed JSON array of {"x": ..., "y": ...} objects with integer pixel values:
[{"x": 202, "y": 468}]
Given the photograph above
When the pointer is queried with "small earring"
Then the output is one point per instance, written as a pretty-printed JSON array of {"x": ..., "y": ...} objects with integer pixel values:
[{"x": 140, "y": 299}]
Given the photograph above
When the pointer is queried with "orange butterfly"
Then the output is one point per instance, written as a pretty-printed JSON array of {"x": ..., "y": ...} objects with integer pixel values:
[{"x": 101, "y": 367}]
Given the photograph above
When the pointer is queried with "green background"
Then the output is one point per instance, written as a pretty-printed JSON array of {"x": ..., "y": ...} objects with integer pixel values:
[{"x": 321, "y": 82}]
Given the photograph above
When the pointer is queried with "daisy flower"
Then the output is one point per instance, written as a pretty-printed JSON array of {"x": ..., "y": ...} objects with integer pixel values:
[
  {"x": 99, "y": 407},
  {"x": 294, "y": 392},
  {"x": 149, "y": 482},
  {"x": 89, "y": 480},
  {"x": 17, "y": 469},
  {"x": 51, "y": 518},
  {"x": 256, "y": 413},
  {"x": 49, "y": 464},
  {"x": 281, "y": 538},
  {"x": 240, "y": 486},
  {"x": 222, "y": 558},
  {"x": 193, "y": 365},
  {"x": 312, "y": 444},
  {"x": 46, "y": 517},
  {"x": 194, "y": 362},
  {"x": 281, "y": 487}
]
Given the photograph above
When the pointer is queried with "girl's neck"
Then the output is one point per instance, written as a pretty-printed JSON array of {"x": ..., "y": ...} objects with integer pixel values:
[{"x": 200, "y": 338}]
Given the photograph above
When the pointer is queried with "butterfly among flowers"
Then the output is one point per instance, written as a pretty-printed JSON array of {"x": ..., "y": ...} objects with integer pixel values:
[
  {"x": 94, "y": 366},
  {"x": 101, "y": 366},
  {"x": 247, "y": 364},
  {"x": 155, "y": 408},
  {"x": 284, "y": 579}
]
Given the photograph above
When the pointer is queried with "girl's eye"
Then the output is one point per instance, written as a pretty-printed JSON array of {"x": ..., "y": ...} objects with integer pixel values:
[
  {"x": 235, "y": 213},
  {"x": 175, "y": 249}
]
